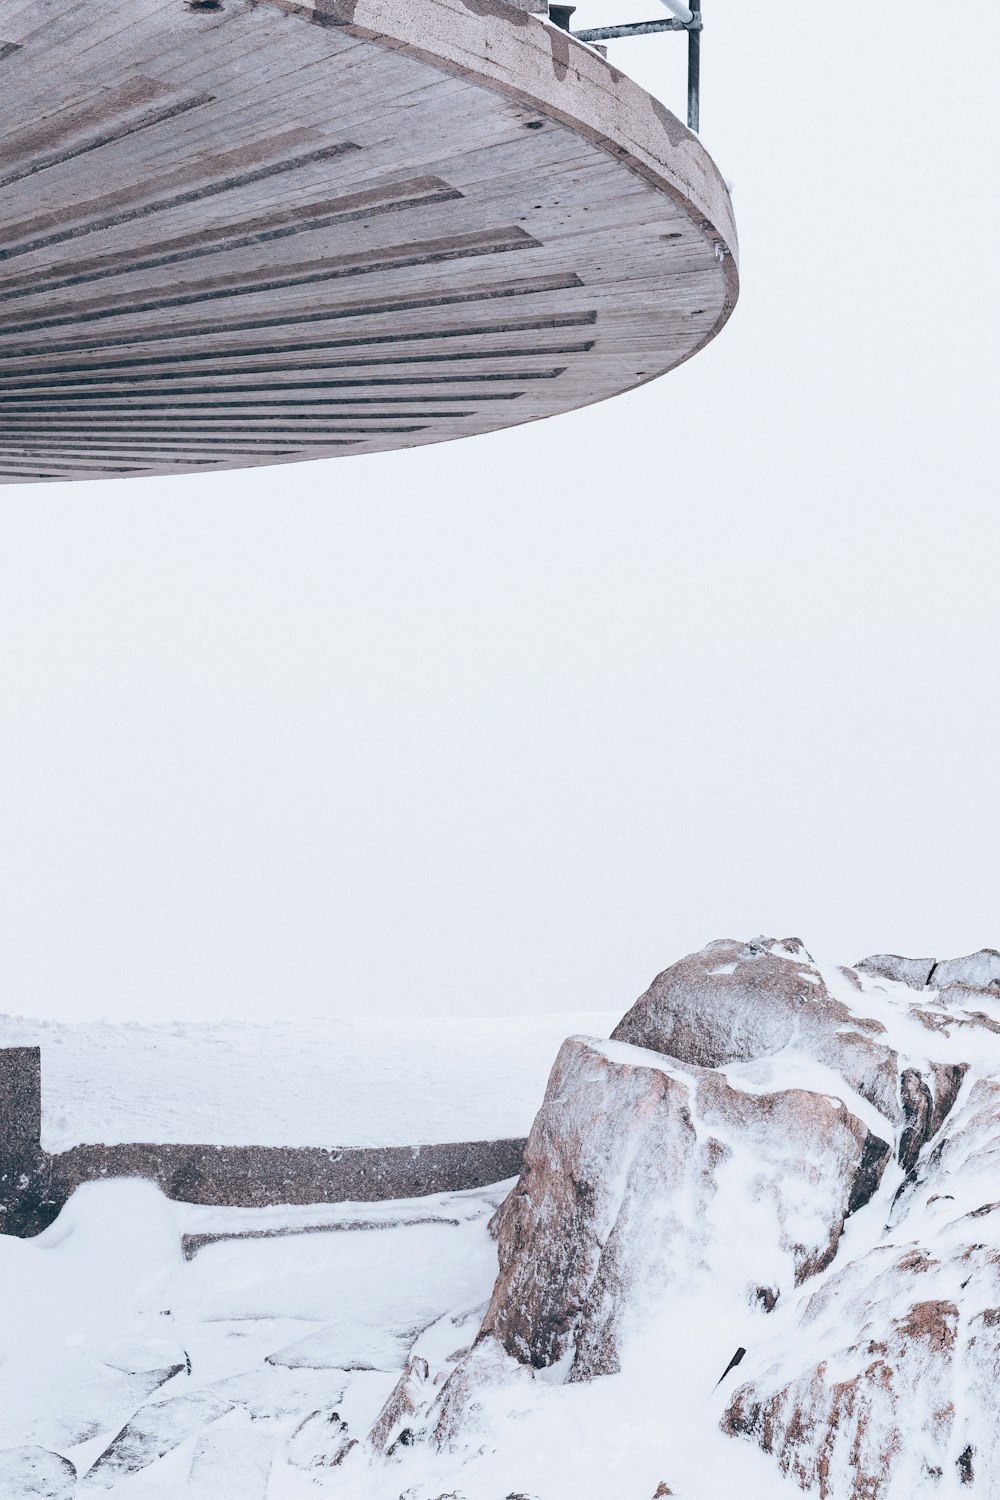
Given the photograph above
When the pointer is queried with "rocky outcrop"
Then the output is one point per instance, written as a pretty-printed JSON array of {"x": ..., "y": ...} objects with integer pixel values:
[
  {"x": 906, "y": 1398},
  {"x": 885, "y": 1387},
  {"x": 406, "y": 1398},
  {"x": 915, "y": 972},
  {"x": 626, "y": 1156},
  {"x": 732, "y": 1002},
  {"x": 753, "y": 1092},
  {"x": 634, "y": 1171},
  {"x": 736, "y": 1002},
  {"x": 858, "y": 1433},
  {"x": 977, "y": 971}
]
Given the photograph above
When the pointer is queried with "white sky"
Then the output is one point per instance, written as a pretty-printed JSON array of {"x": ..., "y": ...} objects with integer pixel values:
[{"x": 510, "y": 724}]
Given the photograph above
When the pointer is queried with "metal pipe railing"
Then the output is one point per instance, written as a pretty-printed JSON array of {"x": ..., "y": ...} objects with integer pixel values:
[{"x": 683, "y": 19}]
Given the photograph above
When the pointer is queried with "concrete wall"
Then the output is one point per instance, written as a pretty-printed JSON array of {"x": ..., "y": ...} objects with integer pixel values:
[
  {"x": 35, "y": 1185},
  {"x": 20, "y": 1100}
]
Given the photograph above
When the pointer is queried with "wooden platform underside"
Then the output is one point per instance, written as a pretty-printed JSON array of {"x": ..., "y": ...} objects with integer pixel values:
[{"x": 270, "y": 232}]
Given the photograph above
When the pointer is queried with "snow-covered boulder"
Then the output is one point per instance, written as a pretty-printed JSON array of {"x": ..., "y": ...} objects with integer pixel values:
[
  {"x": 634, "y": 1174},
  {"x": 976, "y": 971},
  {"x": 915, "y": 972},
  {"x": 408, "y": 1394},
  {"x": 734, "y": 1002},
  {"x": 884, "y": 1387}
]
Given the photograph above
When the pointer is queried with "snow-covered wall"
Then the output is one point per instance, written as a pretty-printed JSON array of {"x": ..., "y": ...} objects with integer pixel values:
[{"x": 34, "y": 1184}]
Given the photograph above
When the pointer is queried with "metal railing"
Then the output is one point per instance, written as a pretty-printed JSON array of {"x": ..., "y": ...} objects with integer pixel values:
[{"x": 682, "y": 19}]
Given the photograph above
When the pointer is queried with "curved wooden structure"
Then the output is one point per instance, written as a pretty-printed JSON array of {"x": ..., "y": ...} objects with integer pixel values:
[{"x": 253, "y": 231}]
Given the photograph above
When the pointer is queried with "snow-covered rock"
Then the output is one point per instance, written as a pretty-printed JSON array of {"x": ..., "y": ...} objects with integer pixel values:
[
  {"x": 627, "y": 1167},
  {"x": 715, "y": 1153},
  {"x": 30, "y": 1473},
  {"x": 886, "y": 1385},
  {"x": 977, "y": 971},
  {"x": 915, "y": 972},
  {"x": 737, "y": 1002},
  {"x": 407, "y": 1396},
  {"x": 156, "y": 1430},
  {"x": 321, "y": 1441}
]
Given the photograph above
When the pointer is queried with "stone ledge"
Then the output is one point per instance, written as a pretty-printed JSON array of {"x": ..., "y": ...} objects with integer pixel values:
[{"x": 34, "y": 1185}]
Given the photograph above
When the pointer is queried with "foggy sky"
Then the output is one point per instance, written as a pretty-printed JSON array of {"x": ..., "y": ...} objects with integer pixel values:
[{"x": 510, "y": 724}]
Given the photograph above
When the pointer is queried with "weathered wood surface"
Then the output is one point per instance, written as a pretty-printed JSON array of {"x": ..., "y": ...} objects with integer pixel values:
[{"x": 253, "y": 231}]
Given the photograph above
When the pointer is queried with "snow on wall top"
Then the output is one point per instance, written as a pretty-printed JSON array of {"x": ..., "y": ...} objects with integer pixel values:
[{"x": 330, "y": 1083}]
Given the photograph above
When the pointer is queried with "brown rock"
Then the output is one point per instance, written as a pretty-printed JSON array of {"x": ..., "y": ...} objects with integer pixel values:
[
  {"x": 904, "y": 1392},
  {"x": 846, "y": 1437},
  {"x": 733, "y": 1002},
  {"x": 623, "y": 1157},
  {"x": 736, "y": 1001},
  {"x": 918, "y": 1110},
  {"x": 404, "y": 1399},
  {"x": 458, "y": 1409}
]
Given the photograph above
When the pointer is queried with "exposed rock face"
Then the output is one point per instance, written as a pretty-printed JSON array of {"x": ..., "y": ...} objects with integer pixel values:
[
  {"x": 854, "y": 1434},
  {"x": 915, "y": 972},
  {"x": 626, "y": 1156},
  {"x": 977, "y": 971},
  {"x": 401, "y": 1405},
  {"x": 734, "y": 1002},
  {"x": 459, "y": 1408},
  {"x": 887, "y": 1385}
]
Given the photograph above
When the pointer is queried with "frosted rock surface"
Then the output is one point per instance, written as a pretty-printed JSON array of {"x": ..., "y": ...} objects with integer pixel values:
[
  {"x": 629, "y": 1158},
  {"x": 915, "y": 972},
  {"x": 888, "y": 1386},
  {"x": 977, "y": 971},
  {"x": 734, "y": 1002}
]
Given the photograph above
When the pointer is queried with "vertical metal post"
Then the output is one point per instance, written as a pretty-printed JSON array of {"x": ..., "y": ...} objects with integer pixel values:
[{"x": 694, "y": 71}]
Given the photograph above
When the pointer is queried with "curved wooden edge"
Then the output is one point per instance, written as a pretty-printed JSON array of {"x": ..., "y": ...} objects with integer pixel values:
[{"x": 504, "y": 48}]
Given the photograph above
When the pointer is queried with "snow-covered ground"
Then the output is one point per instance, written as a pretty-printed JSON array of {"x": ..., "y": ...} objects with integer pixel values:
[
  {"x": 103, "y": 1315},
  {"x": 334, "y": 1083},
  {"x": 730, "y": 1177},
  {"x": 260, "y": 1334}
]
